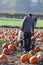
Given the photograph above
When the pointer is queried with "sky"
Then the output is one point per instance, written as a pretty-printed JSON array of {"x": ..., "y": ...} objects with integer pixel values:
[
  {"x": 21, "y": 5},
  {"x": 6, "y": 4}
]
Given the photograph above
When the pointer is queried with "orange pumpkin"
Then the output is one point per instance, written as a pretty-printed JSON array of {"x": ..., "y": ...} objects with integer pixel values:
[
  {"x": 37, "y": 34},
  {"x": 16, "y": 32},
  {"x": 11, "y": 47},
  {"x": 12, "y": 36},
  {"x": 6, "y": 58},
  {"x": 41, "y": 40},
  {"x": 12, "y": 33},
  {"x": 16, "y": 43},
  {"x": 6, "y": 51},
  {"x": 33, "y": 60},
  {"x": 5, "y": 45},
  {"x": 32, "y": 52},
  {"x": 3, "y": 56},
  {"x": 41, "y": 34},
  {"x": 9, "y": 38},
  {"x": 24, "y": 58},
  {"x": 2, "y": 36},
  {"x": 37, "y": 48}
]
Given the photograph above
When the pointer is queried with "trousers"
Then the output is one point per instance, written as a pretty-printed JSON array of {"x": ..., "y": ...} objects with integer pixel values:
[{"x": 27, "y": 41}]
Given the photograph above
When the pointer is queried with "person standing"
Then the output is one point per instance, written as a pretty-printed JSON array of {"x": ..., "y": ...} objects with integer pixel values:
[
  {"x": 28, "y": 29},
  {"x": 20, "y": 38}
]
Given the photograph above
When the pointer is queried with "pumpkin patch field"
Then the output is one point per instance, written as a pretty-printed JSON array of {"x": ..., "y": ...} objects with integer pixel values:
[{"x": 10, "y": 53}]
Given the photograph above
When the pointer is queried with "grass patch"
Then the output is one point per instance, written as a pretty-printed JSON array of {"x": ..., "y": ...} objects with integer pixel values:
[
  {"x": 10, "y": 22},
  {"x": 17, "y": 22},
  {"x": 39, "y": 23}
]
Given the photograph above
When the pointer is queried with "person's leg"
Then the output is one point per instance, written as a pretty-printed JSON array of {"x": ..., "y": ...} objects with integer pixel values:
[
  {"x": 25, "y": 41},
  {"x": 21, "y": 43},
  {"x": 29, "y": 41},
  {"x": 33, "y": 44}
]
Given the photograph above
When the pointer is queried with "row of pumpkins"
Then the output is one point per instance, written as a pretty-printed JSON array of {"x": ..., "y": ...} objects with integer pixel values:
[
  {"x": 33, "y": 56},
  {"x": 7, "y": 49},
  {"x": 8, "y": 33},
  {"x": 38, "y": 35}
]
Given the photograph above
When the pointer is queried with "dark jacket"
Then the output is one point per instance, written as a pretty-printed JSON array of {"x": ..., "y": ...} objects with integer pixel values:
[{"x": 28, "y": 24}]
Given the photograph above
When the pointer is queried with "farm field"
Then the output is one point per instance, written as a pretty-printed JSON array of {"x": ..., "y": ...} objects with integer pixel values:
[
  {"x": 16, "y": 22},
  {"x": 8, "y": 35}
]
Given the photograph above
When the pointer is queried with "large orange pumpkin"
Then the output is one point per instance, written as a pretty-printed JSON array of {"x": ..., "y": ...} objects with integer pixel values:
[
  {"x": 33, "y": 60},
  {"x": 24, "y": 58},
  {"x": 6, "y": 51},
  {"x": 11, "y": 47},
  {"x": 37, "y": 48},
  {"x": 5, "y": 45}
]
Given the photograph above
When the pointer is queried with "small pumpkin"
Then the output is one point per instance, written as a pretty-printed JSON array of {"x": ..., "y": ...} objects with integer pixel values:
[
  {"x": 5, "y": 45},
  {"x": 3, "y": 56},
  {"x": 16, "y": 43},
  {"x": 41, "y": 40},
  {"x": 6, "y": 51},
  {"x": 11, "y": 47},
  {"x": 37, "y": 48},
  {"x": 16, "y": 32},
  {"x": 12, "y": 33},
  {"x": 41, "y": 34},
  {"x": 2, "y": 35},
  {"x": 12, "y": 36},
  {"x": 32, "y": 52},
  {"x": 24, "y": 58},
  {"x": 33, "y": 60}
]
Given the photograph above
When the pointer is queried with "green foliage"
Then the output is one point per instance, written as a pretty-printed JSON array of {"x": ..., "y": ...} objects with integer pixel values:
[
  {"x": 39, "y": 23},
  {"x": 16, "y": 22}
]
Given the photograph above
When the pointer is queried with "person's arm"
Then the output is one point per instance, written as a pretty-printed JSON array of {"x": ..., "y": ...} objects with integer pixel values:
[
  {"x": 33, "y": 27},
  {"x": 24, "y": 19}
]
